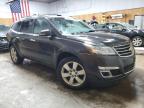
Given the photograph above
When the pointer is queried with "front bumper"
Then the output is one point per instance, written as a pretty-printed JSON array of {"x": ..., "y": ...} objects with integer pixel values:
[{"x": 109, "y": 68}]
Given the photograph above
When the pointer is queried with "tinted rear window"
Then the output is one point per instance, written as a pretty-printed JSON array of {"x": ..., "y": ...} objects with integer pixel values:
[
  {"x": 27, "y": 26},
  {"x": 16, "y": 26}
]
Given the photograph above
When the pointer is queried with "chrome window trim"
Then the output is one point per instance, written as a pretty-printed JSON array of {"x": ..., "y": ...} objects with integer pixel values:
[{"x": 24, "y": 33}]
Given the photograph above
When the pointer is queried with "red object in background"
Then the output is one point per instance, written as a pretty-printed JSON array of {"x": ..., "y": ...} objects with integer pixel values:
[{"x": 93, "y": 17}]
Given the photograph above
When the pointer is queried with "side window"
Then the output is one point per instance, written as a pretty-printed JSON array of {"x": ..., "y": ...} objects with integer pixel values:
[
  {"x": 111, "y": 26},
  {"x": 16, "y": 26},
  {"x": 40, "y": 24},
  {"x": 118, "y": 27},
  {"x": 115, "y": 26},
  {"x": 27, "y": 26}
]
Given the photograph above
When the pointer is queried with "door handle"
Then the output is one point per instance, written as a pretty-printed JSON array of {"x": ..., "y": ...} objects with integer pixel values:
[{"x": 33, "y": 40}]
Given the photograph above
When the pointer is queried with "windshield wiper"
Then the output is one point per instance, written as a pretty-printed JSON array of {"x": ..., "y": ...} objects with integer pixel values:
[
  {"x": 91, "y": 31},
  {"x": 77, "y": 33},
  {"x": 83, "y": 32}
]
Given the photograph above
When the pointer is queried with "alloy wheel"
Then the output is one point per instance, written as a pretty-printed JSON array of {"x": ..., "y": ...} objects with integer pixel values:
[
  {"x": 73, "y": 73},
  {"x": 137, "y": 41},
  {"x": 13, "y": 54}
]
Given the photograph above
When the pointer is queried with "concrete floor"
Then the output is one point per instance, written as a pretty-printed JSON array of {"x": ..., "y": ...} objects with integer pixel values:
[{"x": 32, "y": 85}]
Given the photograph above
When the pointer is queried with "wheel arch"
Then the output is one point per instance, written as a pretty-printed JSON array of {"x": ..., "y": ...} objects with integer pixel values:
[
  {"x": 65, "y": 55},
  {"x": 14, "y": 43}
]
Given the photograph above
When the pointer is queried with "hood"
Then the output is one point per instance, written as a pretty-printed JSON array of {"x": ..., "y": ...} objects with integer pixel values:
[
  {"x": 99, "y": 38},
  {"x": 137, "y": 31},
  {"x": 141, "y": 30}
]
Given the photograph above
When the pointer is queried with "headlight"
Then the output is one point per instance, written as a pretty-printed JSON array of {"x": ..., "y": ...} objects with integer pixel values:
[{"x": 103, "y": 50}]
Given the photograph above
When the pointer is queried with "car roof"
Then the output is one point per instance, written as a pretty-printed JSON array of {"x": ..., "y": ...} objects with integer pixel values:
[
  {"x": 114, "y": 23},
  {"x": 45, "y": 16}
]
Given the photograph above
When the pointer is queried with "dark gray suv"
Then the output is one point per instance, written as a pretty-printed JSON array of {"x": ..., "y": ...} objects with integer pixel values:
[{"x": 78, "y": 53}]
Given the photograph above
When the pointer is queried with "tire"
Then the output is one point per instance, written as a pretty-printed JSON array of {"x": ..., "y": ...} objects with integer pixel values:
[
  {"x": 137, "y": 41},
  {"x": 15, "y": 57},
  {"x": 71, "y": 73}
]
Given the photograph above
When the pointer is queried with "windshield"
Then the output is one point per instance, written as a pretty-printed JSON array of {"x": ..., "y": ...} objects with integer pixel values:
[
  {"x": 70, "y": 26},
  {"x": 128, "y": 26}
]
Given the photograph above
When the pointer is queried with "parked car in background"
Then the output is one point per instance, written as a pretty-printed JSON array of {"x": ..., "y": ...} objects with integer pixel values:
[
  {"x": 78, "y": 53},
  {"x": 3, "y": 39},
  {"x": 136, "y": 35}
]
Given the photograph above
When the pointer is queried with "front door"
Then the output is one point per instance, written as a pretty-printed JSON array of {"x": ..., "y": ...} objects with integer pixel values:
[{"x": 45, "y": 47}]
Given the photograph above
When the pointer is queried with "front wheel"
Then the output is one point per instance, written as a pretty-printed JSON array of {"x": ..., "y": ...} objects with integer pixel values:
[
  {"x": 15, "y": 56},
  {"x": 72, "y": 73},
  {"x": 137, "y": 41}
]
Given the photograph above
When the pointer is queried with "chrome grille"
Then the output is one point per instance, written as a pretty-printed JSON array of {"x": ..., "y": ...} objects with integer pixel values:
[{"x": 124, "y": 50}]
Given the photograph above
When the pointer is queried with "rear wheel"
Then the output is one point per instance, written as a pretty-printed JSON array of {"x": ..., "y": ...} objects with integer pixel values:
[
  {"x": 15, "y": 56},
  {"x": 137, "y": 41},
  {"x": 72, "y": 73}
]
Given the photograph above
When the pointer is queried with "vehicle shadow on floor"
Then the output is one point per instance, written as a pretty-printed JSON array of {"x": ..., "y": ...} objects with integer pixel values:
[{"x": 125, "y": 91}]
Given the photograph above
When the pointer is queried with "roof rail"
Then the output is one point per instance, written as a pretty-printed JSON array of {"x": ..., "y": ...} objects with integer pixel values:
[{"x": 53, "y": 14}]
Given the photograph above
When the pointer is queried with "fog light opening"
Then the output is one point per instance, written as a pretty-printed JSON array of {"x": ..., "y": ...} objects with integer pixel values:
[{"x": 106, "y": 71}]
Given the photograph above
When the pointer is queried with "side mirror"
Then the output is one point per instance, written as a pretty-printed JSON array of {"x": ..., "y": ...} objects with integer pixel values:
[
  {"x": 46, "y": 32},
  {"x": 123, "y": 30}
]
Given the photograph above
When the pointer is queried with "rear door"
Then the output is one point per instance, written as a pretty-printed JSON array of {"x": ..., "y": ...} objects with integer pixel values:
[
  {"x": 14, "y": 35},
  {"x": 27, "y": 39}
]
